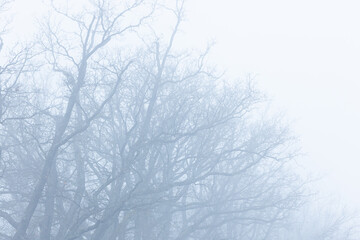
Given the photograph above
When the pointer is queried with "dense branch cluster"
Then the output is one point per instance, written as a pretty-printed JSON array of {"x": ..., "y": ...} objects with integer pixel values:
[{"x": 100, "y": 143}]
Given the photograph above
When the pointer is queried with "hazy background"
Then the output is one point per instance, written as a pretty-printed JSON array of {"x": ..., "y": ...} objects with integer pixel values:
[{"x": 305, "y": 55}]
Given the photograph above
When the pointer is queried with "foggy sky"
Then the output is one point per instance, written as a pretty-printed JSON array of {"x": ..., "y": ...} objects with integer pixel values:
[{"x": 305, "y": 55}]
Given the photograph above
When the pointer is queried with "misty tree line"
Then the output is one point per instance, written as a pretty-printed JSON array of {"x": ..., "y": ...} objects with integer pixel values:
[{"x": 98, "y": 141}]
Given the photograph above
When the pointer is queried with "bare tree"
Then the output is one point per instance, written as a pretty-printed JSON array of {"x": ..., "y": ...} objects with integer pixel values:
[
  {"x": 98, "y": 142},
  {"x": 72, "y": 62},
  {"x": 178, "y": 155}
]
